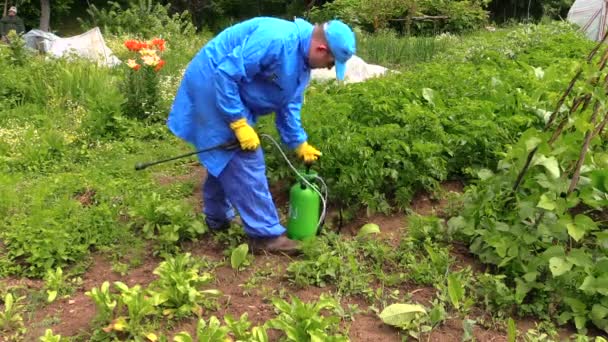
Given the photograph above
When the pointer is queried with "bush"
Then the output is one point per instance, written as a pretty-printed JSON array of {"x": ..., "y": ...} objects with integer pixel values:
[
  {"x": 142, "y": 17},
  {"x": 376, "y": 15}
]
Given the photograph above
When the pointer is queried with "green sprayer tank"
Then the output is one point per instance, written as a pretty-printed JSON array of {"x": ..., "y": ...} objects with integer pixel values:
[{"x": 304, "y": 208}]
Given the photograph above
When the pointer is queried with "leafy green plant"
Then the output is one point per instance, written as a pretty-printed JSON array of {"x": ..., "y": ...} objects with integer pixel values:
[
  {"x": 177, "y": 289},
  {"x": 456, "y": 289},
  {"x": 213, "y": 331},
  {"x": 256, "y": 281},
  {"x": 423, "y": 263},
  {"x": 105, "y": 302},
  {"x": 412, "y": 318},
  {"x": 332, "y": 260},
  {"x": 239, "y": 328},
  {"x": 56, "y": 284},
  {"x": 138, "y": 306},
  {"x": 239, "y": 258},
  {"x": 167, "y": 221},
  {"x": 11, "y": 320},
  {"x": 50, "y": 337},
  {"x": 16, "y": 46},
  {"x": 301, "y": 321}
]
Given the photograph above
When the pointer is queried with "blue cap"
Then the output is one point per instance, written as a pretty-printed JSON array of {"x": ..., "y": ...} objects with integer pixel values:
[{"x": 341, "y": 40}]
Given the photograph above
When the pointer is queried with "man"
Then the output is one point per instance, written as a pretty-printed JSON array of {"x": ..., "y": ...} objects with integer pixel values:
[
  {"x": 254, "y": 68},
  {"x": 11, "y": 22}
]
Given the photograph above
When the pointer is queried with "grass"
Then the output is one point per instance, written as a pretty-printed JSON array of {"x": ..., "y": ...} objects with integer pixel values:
[{"x": 390, "y": 50}]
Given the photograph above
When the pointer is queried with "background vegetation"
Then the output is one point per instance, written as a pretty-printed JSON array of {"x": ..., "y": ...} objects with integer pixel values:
[{"x": 466, "y": 104}]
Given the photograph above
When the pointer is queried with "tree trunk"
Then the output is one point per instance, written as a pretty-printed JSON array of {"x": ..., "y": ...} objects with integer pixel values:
[
  {"x": 45, "y": 15},
  {"x": 5, "y": 8}
]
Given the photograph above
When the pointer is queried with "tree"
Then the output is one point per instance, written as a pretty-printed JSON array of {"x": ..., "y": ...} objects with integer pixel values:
[
  {"x": 39, "y": 14},
  {"x": 45, "y": 15}
]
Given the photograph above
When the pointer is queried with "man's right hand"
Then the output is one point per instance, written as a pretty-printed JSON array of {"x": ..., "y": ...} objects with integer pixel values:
[{"x": 246, "y": 135}]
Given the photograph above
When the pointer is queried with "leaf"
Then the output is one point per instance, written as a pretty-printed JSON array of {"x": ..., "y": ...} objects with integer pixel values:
[
  {"x": 401, "y": 314},
  {"x": 550, "y": 164},
  {"x": 579, "y": 257},
  {"x": 598, "y": 179},
  {"x": 152, "y": 337},
  {"x": 585, "y": 222},
  {"x": 239, "y": 255},
  {"x": 588, "y": 285},
  {"x": 428, "y": 94},
  {"x": 455, "y": 290},
  {"x": 484, "y": 174},
  {"x": 532, "y": 143},
  {"x": 370, "y": 228},
  {"x": 539, "y": 72},
  {"x": 546, "y": 203},
  {"x": 511, "y": 330},
  {"x": 259, "y": 334},
  {"x": 575, "y": 231},
  {"x": 182, "y": 337},
  {"x": 599, "y": 312},
  {"x": 602, "y": 238},
  {"x": 559, "y": 266},
  {"x": 120, "y": 324},
  {"x": 52, "y": 294}
]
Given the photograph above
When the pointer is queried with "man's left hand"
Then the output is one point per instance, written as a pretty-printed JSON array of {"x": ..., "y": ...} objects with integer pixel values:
[{"x": 308, "y": 153}]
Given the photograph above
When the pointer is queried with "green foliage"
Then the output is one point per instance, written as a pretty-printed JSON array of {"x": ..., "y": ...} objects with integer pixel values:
[
  {"x": 353, "y": 265},
  {"x": 388, "y": 49},
  {"x": 461, "y": 16},
  {"x": 55, "y": 283},
  {"x": 16, "y": 46},
  {"x": 50, "y": 337},
  {"x": 177, "y": 289},
  {"x": 412, "y": 318},
  {"x": 144, "y": 17},
  {"x": 302, "y": 321},
  {"x": 239, "y": 257},
  {"x": 105, "y": 302},
  {"x": 214, "y": 331},
  {"x": 330, "y": 260},
  {"x": 11, "y": 320},
  {"x": 167, "y": 221},
  {"x": 409, "y": 131},
  {"x": 545, "y": 235}
]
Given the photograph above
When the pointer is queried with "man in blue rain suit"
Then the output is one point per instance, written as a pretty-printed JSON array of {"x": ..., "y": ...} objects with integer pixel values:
[{"x": 254, "y": 68}]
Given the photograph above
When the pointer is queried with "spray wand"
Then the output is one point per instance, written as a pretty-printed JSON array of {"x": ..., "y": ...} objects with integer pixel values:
[{"x": 235, "y": 144}]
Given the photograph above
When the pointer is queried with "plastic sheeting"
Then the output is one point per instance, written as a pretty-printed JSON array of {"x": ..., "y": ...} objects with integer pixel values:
[
  {"x": 590, "y": 16},
  {"x": 356, "y": 71},
  {"x": 89, "y": 45}
]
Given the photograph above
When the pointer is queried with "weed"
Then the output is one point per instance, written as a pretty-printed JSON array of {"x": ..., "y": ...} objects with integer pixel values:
[
  {"x": 301, "y": 321},
  {"x": 11, "y": 320},
  {"x": 177, "y": 290},
  {"x": 255, "y": 281}
]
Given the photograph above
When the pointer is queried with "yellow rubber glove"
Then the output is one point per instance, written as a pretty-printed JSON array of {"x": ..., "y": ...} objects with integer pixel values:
[
  {"x": 247, "y": 137},
  {"x": 308, "y": 153}
]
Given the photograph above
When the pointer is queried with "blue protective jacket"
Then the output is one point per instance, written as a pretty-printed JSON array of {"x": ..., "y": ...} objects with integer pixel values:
[{"x": 254, "y": 68}]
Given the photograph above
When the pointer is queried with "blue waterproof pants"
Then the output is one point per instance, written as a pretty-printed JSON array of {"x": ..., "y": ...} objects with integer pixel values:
[{"x": 242, "y": 184}]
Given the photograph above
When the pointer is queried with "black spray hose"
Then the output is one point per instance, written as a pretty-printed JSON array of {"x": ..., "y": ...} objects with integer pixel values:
[{"x": 228, "y": 146}]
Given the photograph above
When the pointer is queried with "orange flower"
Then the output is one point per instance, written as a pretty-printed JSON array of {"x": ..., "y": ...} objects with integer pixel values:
[
  {"x": 160, "y": 65},
  {"x": 135, "y": 45},
  {"x": 159, "y": 43}
]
